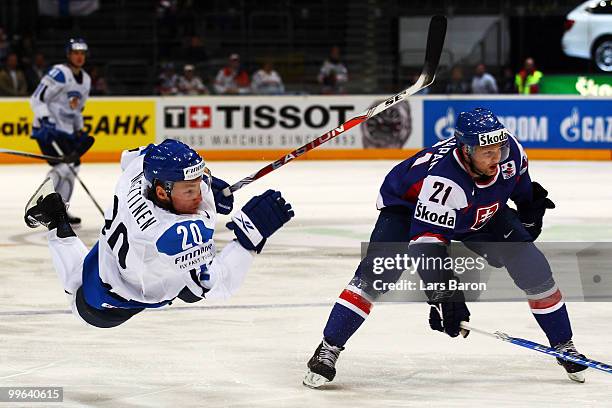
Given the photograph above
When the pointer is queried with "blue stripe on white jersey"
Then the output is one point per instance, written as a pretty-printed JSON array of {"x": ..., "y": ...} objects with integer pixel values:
[{"x": 183, "y": 236}]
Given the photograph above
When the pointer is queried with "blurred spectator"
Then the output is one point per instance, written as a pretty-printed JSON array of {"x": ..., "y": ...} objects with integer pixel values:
[
  {"x": 12, "y": 80},
  {"x": 506, "y": 82},
  {"x": 167, "y": 81},
  {"x": 333, "y": 73},
  {"x": 232, "y": 79},
  {"x": 35, "y": 71},
  {"x": 457, "y": 84},
  {"x": 483, "y": 82},
  {"x": 24, "y": 47},
  {"x": 99, "y": 86},
  {"x": 527, "y": 81},
  {"x": 191, "y": 84},
  {"x": 5, "y": 45},
  {"x": 267, "y": 81}
]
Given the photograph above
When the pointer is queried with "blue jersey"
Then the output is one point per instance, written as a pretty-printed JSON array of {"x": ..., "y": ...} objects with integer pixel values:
[{"x": 446, "y": 201}]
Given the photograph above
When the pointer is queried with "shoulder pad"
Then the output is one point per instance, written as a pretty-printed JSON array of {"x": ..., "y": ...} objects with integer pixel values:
[
  {"x": 128, "y": 156},
  {"x": 442, "y": 191},
  {"x": 183, "y": 236},
  {"x": 57, "y": 74}
]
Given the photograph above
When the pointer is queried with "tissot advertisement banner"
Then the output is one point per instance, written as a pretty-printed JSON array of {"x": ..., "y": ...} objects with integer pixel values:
[
  {"x": 260, "y": 123},
  {"x": 537, "y": 123}
]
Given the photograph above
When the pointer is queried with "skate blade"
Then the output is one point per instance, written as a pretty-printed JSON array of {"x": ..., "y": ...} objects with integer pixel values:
[
  {"x": 578, "y": 377},
  {"x": 313, "y": 380},
  {"x": 43, "y": 190}
]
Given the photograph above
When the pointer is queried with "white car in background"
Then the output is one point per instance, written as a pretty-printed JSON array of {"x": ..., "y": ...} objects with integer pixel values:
[{"x": 588, "y": 33}]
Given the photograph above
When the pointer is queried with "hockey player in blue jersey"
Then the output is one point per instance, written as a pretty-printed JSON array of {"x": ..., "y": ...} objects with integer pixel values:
[
  {"x": 157, "y": 242},
  {"x": 58, "y": 103},
  {"x": 457, "y": 190}
]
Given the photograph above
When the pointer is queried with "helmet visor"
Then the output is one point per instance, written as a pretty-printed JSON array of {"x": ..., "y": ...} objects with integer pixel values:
[
  {"x": 505, "y": 151},
  {"x": 489, "y": 152},
  {"x": 207, "y": 177}
]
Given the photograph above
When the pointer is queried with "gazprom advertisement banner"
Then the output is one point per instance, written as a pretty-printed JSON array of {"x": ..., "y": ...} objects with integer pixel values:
[{"x": 537, "y": 123}]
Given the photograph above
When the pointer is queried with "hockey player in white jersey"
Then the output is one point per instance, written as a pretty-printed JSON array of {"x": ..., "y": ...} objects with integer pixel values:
[
  {"x": 58, "y": 102},
  {"x": 157, "y": 242}
]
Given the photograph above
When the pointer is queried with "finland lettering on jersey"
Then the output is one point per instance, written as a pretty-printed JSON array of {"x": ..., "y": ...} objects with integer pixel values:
[
  {"x": 445, "y": 201},
  {"x": 188, "y": 243},
  {"x": 194, "y": 171},
  {"x": 61, "y": 97}
]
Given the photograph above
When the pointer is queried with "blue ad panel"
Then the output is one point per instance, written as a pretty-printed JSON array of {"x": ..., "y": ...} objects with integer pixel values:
[{"x": 541, "y": 123}]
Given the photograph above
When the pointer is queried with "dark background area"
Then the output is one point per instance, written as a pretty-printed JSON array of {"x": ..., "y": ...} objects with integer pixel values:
[{"x": 130, "y": 40}]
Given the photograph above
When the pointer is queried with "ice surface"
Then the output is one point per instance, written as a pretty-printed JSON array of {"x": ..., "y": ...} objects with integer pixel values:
[{"x": 252, "y": 350}]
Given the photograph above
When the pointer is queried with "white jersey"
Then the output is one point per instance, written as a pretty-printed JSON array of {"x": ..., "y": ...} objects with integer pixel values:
[
  {"x": 265, "y": 83},
  {"x": 148, "y": 255},
  {"x": 61, "y": 97}
]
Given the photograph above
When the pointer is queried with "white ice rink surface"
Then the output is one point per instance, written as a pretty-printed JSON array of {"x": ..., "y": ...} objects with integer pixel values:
[{"x": 252, "y": 350}]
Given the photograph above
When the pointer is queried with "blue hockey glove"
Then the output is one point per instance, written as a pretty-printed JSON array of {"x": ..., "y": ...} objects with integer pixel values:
[
  {"x": 223, "y": 204},
  {"x": 259, "y": 218},
  {"x": 447, "y": 313},
  {"x": 81, "y": 143},
  {"x": 532, "y": 214},
  {"x": 46, "y": 132}
]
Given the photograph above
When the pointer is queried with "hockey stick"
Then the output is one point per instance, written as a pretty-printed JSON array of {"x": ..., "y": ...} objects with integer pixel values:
[
  {"x": 542, "y": 349},
  {"x": 32, "y": 155},
  {"x": 59, "y": 151},
  {"x": 435, "y": 42}
]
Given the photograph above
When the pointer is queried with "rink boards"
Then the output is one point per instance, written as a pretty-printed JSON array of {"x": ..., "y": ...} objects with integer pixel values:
[{"x": 265, "y": 128}]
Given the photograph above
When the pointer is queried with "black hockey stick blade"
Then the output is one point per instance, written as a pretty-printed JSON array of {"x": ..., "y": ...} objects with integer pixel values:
[
  {"x": 433, "y": 49},
  {"x": 435, "y": 44}
]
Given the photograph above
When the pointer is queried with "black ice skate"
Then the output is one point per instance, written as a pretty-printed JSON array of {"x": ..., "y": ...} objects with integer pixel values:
[
  {"x": 322, "y": 365},
  {"x": 575, "y": 371},
  {"x": 47, "y": 208}
]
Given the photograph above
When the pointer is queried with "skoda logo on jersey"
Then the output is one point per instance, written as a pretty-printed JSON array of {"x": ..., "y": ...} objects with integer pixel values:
[
  {"x": 494, "y": 137},
  {"x": 445, "y": 126},
  {"x": 436, "y": 216},
  {"x": 193, "y": 172}
]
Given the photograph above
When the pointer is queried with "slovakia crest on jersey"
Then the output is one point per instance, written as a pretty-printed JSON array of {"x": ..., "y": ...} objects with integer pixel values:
[{"x": 508, "y": 169}]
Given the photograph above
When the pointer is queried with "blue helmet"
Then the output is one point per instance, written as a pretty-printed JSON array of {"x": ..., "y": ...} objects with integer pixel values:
[
  {"x": 172, "y": 161},
  {"x": 480, "y": 127},
  {"x": 76, "y": 44}
]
